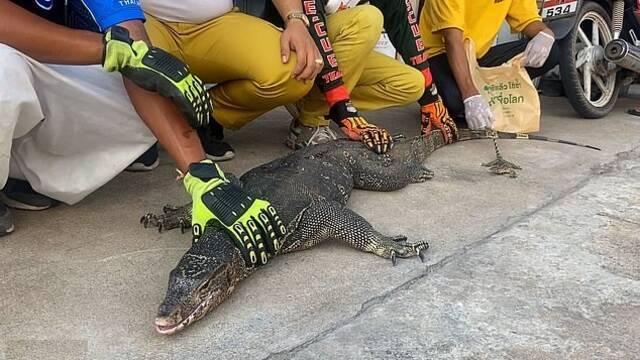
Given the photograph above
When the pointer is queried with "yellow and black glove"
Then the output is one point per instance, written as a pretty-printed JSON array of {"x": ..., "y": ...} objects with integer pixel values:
[
  {"x": 253, "y": 223},
  {"x": 156, "y": 70},
  {"x": 357, "y": 128}
]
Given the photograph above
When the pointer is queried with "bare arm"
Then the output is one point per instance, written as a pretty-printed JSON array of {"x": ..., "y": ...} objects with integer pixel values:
[
  {"x": 168, "y": 126},
  {"x": 458, "y": 62},
  {"x": 536, "y": 27},
  {"x": 46, "y": 41},
  {"x": 162, "y": 116},
  {"x": 52, "y": 43}
]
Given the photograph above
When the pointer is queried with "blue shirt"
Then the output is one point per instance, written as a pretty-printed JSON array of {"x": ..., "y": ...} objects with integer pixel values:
[{"x": 93, "y": 15}]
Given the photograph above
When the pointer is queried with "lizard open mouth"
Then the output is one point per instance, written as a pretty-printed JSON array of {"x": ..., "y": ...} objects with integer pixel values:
[{"x": 168, "y": 325}]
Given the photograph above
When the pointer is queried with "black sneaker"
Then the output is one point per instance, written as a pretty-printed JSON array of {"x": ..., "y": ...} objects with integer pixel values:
[
  {"x": 6, "y": 220},
  {"x": 18, "y": 194},
  {"x": 211, "y": 139},
  {"x": 147, "y": 161}
]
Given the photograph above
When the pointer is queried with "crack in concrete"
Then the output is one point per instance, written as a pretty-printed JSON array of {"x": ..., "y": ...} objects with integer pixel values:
[
  {"x": 618, "y": 218},
  {"x": 596, "y": 171}
]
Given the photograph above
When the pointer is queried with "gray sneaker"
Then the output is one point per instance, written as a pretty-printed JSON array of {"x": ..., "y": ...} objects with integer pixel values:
[
  {"x": 6, "y": 220},
  {"x": 18, "y": 194},
  {"x": 302, "y": 136}
]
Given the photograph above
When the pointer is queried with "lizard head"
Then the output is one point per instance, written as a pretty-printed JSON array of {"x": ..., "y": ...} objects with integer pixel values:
[{"x": 205, "y": 276}]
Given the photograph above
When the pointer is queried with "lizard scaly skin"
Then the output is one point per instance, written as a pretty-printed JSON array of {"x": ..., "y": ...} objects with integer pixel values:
[{"x": 310, "y": 189}]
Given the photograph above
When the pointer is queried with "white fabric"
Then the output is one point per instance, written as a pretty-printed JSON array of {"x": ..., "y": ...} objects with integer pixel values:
[
  {"x": 66, "y": 129},
  {"x": 337, "y": 5},
  {"x": 187, "y": 11}
]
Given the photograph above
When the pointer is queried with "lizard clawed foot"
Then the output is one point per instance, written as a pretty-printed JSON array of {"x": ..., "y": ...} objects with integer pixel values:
[
  {"x": 172, "y": 217},
  {"x": 148, "y": 219},
  {"x": 500, "y": 166},
  {"x": 397, "y": 247},
  {"x": 422, "y": 174}
]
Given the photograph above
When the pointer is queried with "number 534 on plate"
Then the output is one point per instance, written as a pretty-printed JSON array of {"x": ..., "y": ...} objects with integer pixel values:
[{"x": 558, "y": 8}]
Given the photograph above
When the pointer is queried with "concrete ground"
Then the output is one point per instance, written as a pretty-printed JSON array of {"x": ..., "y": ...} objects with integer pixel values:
[{"x": 545, "y": 266}]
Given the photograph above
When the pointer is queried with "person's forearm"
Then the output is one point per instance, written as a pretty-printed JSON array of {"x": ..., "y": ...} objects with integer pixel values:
[
  {"x": 458, "y": 62},
  {"x": 162, "y": 116},
  {"x": 329, "y": 80},
  {"x": 46, "y": 41},
  {"x": 536, "y": 27},
  {"x": 167, "y": 124},
  {"x": 401, "y": 25}
]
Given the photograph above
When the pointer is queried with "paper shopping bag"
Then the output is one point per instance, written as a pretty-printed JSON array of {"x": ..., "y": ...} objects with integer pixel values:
[{"x": 509, "y": 91}]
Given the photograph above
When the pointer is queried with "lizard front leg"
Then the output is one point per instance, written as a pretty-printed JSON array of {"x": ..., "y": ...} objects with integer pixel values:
[
  {"x": 173, "y": 217},
  {"x": 330, "y": 220}
]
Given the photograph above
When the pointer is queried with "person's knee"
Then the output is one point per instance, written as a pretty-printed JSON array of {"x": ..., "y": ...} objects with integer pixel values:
[
  {"x": 409, "y": 86},
  {"x": 13, "y": 62},
  {"x": 371, "y": 19},
  {"x": 281, "y": 86},
  {"x": 367, "y": 21},
  {"x": 15, "y": 76},
  {"x": 295, "y": 90}
]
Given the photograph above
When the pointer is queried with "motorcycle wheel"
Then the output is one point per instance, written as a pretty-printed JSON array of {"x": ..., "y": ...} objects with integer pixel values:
[{"x": 589, "y": 81}]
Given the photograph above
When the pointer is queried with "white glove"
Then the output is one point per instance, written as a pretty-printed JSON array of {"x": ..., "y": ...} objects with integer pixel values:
[
  {"x": 538, "y": 49},
  {"x": 478, "y": 113}
]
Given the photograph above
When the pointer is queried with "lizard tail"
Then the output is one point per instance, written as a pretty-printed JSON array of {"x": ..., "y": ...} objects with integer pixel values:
[
  {"x": 421, "y": 146},
  {"x": 466, "y": 134}
]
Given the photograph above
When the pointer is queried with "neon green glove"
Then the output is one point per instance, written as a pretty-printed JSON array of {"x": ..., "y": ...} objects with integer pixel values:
[
  {"x": 156, "y": 70},
  {"x": 253, "y": 223}
]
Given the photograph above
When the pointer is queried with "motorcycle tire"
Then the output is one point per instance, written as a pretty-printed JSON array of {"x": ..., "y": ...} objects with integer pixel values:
[{"x": 571, "y": 77}]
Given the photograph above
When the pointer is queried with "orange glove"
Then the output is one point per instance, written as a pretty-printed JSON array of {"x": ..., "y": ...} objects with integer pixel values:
[
  {"x": 357, "y": 128},
  {"x": 375, "y": 138},
  {"x": 435, "y": 115}
]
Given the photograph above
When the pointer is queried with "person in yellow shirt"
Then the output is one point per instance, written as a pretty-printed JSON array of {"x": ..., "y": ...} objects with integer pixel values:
[{"x": 446, "y": 23}]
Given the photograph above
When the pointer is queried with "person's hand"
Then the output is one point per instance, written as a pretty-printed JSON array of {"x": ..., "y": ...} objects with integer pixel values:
[
  {"x": 357, "y": 128},
  {"x": 155, "y": 70},
  {"x": 253, "y": 223},
  {"x": 435, "y": 115},
  {"x": 538, "y": 49},
  {"x": 373, "y": 137},
  {"x": 478, "y": 113},
  {"x": 296, "y": 38}
]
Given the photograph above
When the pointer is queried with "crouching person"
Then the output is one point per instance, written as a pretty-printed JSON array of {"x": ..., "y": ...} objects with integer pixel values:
[
  {"x": 354, "y": 77},
  {"x": 354, "y": 74},
  {"x": 250, "y": 61},
  {"x": 68, "y": 130},
  {"x": 446, "y": 23},
  {"x": 64, "y": 130}
]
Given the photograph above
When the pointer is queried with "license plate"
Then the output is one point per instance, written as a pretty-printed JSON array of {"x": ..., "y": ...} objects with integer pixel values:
[{"x": 558, "y": 8}]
